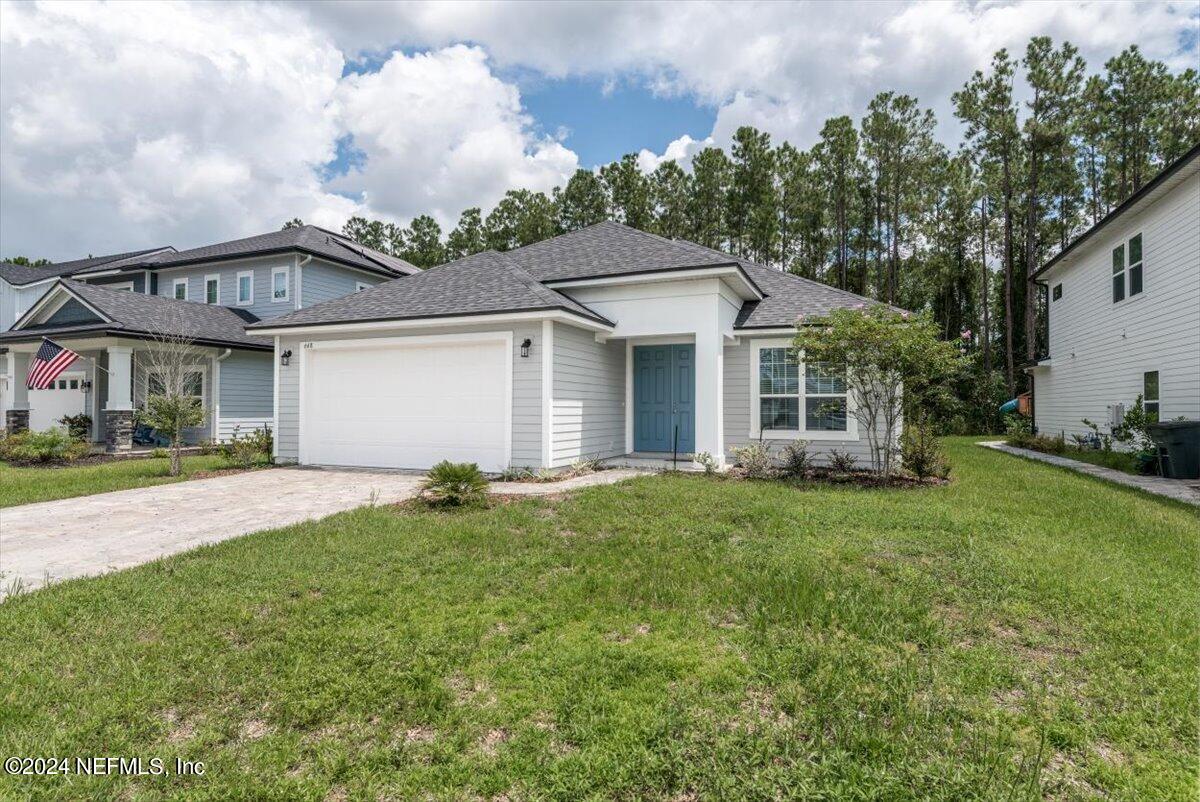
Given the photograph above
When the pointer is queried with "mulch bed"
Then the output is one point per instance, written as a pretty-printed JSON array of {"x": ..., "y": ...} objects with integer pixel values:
[{"x": 857, "y": 478}]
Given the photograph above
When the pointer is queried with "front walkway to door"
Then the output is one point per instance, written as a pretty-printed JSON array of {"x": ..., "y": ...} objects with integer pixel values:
[{"x": 664, "y": 398}]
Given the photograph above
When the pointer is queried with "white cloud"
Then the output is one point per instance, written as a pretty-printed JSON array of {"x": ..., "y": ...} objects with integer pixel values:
[{"x": 441, "y": 133}]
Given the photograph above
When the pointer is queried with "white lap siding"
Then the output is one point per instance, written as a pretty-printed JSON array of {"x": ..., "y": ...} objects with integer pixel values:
[
  {"x": 737, "y": 413},
  {"x": 1099, "y": 350},
  {"x": 588, "y": 398},
  {"x": 527, "y": 386}
]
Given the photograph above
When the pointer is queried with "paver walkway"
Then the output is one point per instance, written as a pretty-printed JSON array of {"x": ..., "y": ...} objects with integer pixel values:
[
  {"x": 1178, "y": 489},
  {"x": 55, "y": 540}
]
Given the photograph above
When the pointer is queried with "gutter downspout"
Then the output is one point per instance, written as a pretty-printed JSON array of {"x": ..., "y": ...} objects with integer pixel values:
[
  {"x": 300, "y": 263},
  {"x": 217, "y": 360}
]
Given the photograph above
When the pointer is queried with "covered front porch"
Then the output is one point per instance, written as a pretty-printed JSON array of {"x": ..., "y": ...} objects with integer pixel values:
[{"x": 110, "y": 380}]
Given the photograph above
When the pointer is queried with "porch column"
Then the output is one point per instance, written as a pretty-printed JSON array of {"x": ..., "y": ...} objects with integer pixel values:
[
  {"x": 16, "y": 417},
  {"x": 709, "y": 372},
  {"x": 118, "y": 406}
]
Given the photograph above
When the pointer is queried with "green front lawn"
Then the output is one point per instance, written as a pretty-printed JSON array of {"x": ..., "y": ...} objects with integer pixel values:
[
  {"x": 27, "y": 485},
  {"x": 1021, "y": 633}
]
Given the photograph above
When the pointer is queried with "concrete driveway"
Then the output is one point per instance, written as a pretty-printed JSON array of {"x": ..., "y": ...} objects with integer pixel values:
[{"x": 56, "y": 540}]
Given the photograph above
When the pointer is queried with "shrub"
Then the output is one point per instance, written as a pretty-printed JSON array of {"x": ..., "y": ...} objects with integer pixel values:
[
  {"x": 841, "y": 461},
  {"x": 755, "y": 460},
  {"x": 52, "y": 445},
  {"x": 1018, "y": 431},
  {"x": 514, "y": 473},
  {"x": 795, "y": 458},
  {"x": 79, "y": 427},
  {"x": 159, "y": 453},
  {"x": 921, "y": 452},
  {"x": 246, "y": 450},
  {"x": 706, "y": 461},
  {"x": 582, "y": 467},
  {"x": 454, "y": 484}
]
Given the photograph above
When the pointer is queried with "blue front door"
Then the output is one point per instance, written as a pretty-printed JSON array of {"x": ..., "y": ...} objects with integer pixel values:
[{"x": 664, "y": 390}]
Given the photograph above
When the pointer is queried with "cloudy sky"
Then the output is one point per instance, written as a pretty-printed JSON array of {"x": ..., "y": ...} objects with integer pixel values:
[{"x": 126, "y": 126}]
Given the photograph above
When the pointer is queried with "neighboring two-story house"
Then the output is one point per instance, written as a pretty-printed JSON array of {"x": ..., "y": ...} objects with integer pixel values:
[
  {"x": 109, "y": 309},
  {"x": 1123, "y": 311}
]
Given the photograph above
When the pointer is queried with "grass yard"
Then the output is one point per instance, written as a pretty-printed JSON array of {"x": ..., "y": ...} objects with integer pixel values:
[
  {"x": 1022, "y": 633},
  {"x": 27, "y": 485}
]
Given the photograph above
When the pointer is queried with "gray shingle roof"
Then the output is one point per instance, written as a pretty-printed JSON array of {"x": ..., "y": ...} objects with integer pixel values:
[
  {"x": 512, "y": 281},
  {"x": 21, "y": 274},
  {"x": 479, "y": 284},
  {"x": 306, "y": 239},
  {"x": 136, "y": 314}
]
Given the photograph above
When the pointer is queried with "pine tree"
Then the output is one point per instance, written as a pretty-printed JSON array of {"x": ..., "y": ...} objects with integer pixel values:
[
  {"x": 670, "y": 189},
  {"x": 628, "y": 192},
  {"x": 706, "y": 211},
  {"x": 583, "y": 202},
  {"x": 520, "y": 218},
  {"x": 424, "y": 242},
  {"x": 837, "y": 157},
  {"x": 752, "y": 199},
  {"x": 467, "y": 237}
]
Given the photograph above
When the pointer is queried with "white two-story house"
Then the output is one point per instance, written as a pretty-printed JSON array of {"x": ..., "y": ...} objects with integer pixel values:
[
  {"x": 1124, "y": 312},
  {"x": 107, "y": 309}
]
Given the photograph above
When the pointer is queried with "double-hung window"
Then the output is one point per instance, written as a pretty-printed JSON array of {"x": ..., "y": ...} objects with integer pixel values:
[
  {"x": 193, "y": 384},
  {"x": 245, "y": 288},
  {"x": 1150, "y": 394},
  {"x": 279, "y": 284},
  {"x": 179, "y": 289},
  {"x": 212, "y": 289},
  {"x": 1127, "y": 268},
  {"x": 793, "y": 399}
]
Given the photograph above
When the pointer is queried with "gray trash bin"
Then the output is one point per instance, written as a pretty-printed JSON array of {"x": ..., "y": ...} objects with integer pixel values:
[{"x": 1181, "y": 439}]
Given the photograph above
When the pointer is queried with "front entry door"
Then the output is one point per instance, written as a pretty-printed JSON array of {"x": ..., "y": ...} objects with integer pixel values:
[{"x": 664, "y": 392}]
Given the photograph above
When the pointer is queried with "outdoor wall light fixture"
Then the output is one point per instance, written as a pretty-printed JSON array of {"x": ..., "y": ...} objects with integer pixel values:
[
  {"x": 525, "y": 347},
  {"x": 285, "y": 358},
  {"x": 86, "y": 385}
]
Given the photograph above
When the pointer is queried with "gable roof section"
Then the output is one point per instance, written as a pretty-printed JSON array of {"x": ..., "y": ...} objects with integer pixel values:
[
  {"x": 1184, "y": 166},
  {"x": 19, "y": 275},
  {"x": 485, "y": 283},
  {"x": 125, "y": 313},
  {"x": 306, "y": 239}
]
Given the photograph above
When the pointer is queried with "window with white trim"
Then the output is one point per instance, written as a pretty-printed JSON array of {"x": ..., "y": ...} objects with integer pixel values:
[
  {"x": 193, "y": 384},
  {"x": 1150, "y": 394},
  {"x": 212, "y": 289},
  {"x": 1127, "y": 269},
  {"x": 245, "y": 288},
  {"x": 790, "y": 396},
  {"x": 279, "y": 284},
  {"x": 179, "y": 289}
]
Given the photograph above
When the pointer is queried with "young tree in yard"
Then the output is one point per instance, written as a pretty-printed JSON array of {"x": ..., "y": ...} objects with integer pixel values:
[
  {"x": 896, "y": 367},
  {"x": 173, "y": 365}
]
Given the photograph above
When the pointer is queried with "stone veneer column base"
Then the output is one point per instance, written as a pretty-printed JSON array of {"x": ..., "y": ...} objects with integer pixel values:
[
  {"x": 16, "y": 420},
  {"x": 118, "y": 430}
]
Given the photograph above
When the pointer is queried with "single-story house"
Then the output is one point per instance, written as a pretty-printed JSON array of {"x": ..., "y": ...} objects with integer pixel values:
[{"x": 601, "y": 343}]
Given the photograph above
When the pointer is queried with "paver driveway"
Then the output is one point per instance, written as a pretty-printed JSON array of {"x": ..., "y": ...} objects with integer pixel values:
[{"x": 56, "y": 540}]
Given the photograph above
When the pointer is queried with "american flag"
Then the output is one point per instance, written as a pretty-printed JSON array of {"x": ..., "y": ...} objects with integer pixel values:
[{"x": 51, "y": 360}]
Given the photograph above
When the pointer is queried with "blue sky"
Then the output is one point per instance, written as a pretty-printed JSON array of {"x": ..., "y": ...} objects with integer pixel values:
[{"x": 601, "y": 126}]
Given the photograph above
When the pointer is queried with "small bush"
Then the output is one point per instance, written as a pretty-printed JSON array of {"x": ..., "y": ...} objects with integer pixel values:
[
  {"x": 247, "y": 450},
  {"x": 52, "y": 445},
  {"x": 795, "y": 458},
  {"x": 79, "y": 427},
  {"x": 921, "y": 452},
  {"x": 582, "y": 467},
  {"x": 160, "y": 453},
  {"x": 514, "y": 473},
  {"x": 454, "y": 484},
  {"x": 755, "y": 460},
  {"x": 707, "y": 462},
  {"x": 841, "y": 461}
]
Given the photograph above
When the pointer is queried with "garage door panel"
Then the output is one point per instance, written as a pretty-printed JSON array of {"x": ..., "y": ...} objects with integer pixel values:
[{"x": 407, "y": 406}]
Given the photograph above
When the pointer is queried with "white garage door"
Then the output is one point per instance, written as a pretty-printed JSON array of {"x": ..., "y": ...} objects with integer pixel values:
[
  {"x": 407, "y": 404},
  {"x": 65, "y": 397}
]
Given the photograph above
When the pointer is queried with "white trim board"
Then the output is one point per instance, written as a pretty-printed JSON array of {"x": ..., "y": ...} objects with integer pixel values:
[{"x": 756, "y": 432}]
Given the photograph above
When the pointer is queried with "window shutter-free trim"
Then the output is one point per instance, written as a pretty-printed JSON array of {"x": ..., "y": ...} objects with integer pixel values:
[{"x": 792, "y": 400}]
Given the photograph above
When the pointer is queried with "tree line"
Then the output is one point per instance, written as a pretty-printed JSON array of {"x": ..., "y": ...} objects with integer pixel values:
[{"x": 878, "y": 206}]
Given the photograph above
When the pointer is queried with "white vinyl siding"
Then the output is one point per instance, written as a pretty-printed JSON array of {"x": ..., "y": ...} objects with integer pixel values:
[
  {"x": 1100, "y": 351},
  {"x": 588, "y": 397}
]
